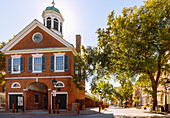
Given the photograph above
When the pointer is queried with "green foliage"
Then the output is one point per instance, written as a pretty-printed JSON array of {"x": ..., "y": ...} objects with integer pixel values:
[
  {"x": 136, "y": 42},
  {"x": 102, "y": 88}
]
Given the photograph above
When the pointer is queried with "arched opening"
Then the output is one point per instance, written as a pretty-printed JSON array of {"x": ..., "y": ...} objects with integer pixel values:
[
  {"x": 37, "y": 96},
  {"x": 49, "y": 22},
  {"x": 56, "y": 24}
]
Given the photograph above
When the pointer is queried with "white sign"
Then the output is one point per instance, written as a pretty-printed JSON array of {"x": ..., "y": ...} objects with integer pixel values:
[
  {"x": 54, "y": 92},
  {"x": 20, "y": 101}
]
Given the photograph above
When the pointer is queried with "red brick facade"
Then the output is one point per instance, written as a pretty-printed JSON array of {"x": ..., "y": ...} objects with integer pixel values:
[{"x": 26, "y": 78}]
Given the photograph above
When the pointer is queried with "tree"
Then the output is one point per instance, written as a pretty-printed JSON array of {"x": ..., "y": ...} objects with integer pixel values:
[
  {"x": 138, "y": 41},
  {"x": 2, "y": 65},
  {"x": 102, "y": 88}
]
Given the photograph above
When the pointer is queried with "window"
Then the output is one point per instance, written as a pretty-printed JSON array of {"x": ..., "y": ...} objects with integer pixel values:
[
  {"x": 49, "y": 22},
  {"x": 61, "y": 27},
  {"x": 17, "y": 64},
  {"x": 59, "y": 84},
  {"x": 56, "y": 24},
  {"x": 37, "y": 63},
  {"x": 59, "y": 62},
  {"x": 15, "y": 85},
  {"x": 36, "y": 98}
]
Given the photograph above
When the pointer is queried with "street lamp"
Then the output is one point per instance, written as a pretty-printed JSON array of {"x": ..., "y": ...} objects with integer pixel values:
[
  {"x": 54, "y": 81},
  {"x": 167, "y": 82}
]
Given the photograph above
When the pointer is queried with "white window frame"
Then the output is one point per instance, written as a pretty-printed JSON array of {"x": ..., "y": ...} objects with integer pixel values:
[
  {"x": 59, "y": 86},
  {"x": 12, "y": 86},
  {"x": 36, "y": 56},
  {"x": 15, "y": 57},
  {"x": 58, "y": 55}
]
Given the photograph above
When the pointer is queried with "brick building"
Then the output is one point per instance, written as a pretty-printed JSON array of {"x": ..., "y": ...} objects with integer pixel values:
[{"x": 37, "y": 55}]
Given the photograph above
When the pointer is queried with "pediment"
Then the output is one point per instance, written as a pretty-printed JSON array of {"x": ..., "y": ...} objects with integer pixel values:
[{"x": 24, "y": 40}]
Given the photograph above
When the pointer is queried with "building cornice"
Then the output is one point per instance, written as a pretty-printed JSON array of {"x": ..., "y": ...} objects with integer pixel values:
[
  {"x": 43, "y": 50},
  {"x": 42, "y": 77}
]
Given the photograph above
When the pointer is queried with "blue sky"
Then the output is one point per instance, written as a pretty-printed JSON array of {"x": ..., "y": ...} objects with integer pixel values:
[{"x": 81, "y": 16}]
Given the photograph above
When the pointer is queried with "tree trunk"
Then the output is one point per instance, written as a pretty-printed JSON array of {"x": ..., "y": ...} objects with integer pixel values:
[{"x": 154, "y": 96}]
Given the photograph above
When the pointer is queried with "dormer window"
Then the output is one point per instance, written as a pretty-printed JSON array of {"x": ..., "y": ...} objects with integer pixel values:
[
  {"x": 56, "y": 24},
  {"x": 49, "y": 22},
  {"x": 61, "y": 27}
]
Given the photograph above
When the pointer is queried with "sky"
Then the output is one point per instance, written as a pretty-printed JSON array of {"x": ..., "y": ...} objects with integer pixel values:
[{"x": 82, "y": 17}]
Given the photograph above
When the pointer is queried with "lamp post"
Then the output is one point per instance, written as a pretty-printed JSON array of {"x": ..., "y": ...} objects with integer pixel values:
[
  {"x": 54, "y": 81},
  {"x": 167, "y": 82}
]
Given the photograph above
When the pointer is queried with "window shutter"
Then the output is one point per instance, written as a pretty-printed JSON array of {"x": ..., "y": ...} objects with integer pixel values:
[
  {"x": 9, "y": 65},
  {"x": 66, "y": 62},
  {"x": 29, "y": 64},
  {"x": 51, "y": 63},
  {"x": 43, "y": 63},
  {"x": 22, "y": 64}
]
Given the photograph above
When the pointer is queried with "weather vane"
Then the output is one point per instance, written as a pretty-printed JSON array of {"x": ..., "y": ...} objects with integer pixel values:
[{"x": 53, "y": 3}]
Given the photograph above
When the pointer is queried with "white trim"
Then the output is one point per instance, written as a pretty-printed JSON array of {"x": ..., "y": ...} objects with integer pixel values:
[
  {"x": 35, "y": 34},
  {"x": 59, "y": 86},
  {"x": 59, "y": 55},
  {"x": 16, "y": 56},
  {"x": 27, "y": 30},
  {"x": 49, "y": 89},
  {"x": 25, "y": 89},
  {"x": 60, "y": 93},
  {"x": 36, "y": 56},
  {"x": 28, "y": 51},
  {"x": 12, "y": 86},
  {"x": 15, "y": 93},
  {"x": 12, "y": 63},
  {"x": 39, "y": 77}
]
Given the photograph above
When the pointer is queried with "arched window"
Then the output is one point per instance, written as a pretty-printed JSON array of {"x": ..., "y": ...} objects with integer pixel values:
[
  {"x": 16, "y": 85},
  {"x": 56, "y": 24},
  {"x": 59, "y": 84},
  {"x": 61, "y": 27},
  {"x": 49, "y": 22}
]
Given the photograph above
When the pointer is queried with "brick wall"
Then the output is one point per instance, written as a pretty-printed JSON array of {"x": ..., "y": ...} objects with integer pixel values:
[
  {"x": 47, "y": 41},
  {"x": 31, "y": 100}
]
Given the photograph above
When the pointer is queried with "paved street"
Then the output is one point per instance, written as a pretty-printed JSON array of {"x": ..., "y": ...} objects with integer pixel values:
[
  {"x": 111, "y": 112},
  {"x": 132, "y": 112}
]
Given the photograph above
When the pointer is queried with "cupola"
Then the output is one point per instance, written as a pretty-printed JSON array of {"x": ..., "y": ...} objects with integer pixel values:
[{"x": 53, "y": 19}]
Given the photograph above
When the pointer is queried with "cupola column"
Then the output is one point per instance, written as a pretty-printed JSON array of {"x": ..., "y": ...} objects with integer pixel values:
[
  {"x": 52, "y": 22},
  {"x": 45, "y": 20}
]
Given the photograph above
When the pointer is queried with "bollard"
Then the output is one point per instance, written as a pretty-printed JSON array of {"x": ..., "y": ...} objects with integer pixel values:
[
  {"x": 13, "y": 108},
  {"x": 49, "y": 109},
  {"x": 78, "y": 109},
  {"x": 99, "y": 108},
  {"x": 57, "y": 108},
  {"x": 54, "y": 105}
]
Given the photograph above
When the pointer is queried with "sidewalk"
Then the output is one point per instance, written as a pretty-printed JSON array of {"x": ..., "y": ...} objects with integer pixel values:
[{"x": 61, "y": 112}]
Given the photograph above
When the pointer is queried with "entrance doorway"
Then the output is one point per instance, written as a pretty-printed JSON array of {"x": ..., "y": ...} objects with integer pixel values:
[
  {"x": 13, "y": 100},
  {"x": 60, "y": 99}
]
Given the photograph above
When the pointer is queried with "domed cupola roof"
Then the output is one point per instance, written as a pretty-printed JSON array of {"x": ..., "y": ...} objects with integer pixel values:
[{"x": 53, "y": 8}]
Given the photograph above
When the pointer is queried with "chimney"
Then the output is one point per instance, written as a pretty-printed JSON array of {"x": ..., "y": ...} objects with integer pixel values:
[{"x": 78, "y": 43}]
